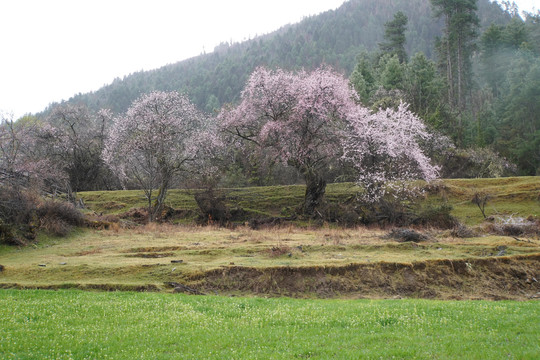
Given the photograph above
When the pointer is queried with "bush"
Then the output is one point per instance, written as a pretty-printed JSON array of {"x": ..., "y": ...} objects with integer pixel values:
[
  {"x": 476, "y": 163},
  {"x": 212, "y": 207},
  {"x": 406, "y": 235},
  {"x": 510, "y": 226},
  {"x": 437, "y": 216},
  {"x": 17, "y": 216},
  {"x": 343, "y": 214},
  {"x": 462, "y": 231},
  {"x": 22, "y": 213},
  {"x": 513, "y": 226},
  {"x": 58, "y": 218}
]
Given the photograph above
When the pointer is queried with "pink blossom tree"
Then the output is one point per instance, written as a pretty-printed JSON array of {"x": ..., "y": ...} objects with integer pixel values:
[
  {"x": 313, "y": 120},
  {"x": 73, "y": 138},
  {"x": 12, "y": 143},
  {"x": 384, "y": 148},
  {"x": 297, "y": 119},
  {"x": 160, "y": 136},
  {"x": 21, "y": 155}
]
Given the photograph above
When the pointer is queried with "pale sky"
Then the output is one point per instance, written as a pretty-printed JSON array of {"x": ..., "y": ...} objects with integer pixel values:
[{"x": 53, "y": 49}]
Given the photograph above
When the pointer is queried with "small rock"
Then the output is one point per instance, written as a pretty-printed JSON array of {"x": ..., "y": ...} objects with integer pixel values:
[
  {"x": 177, "y": 261},
  {"x": 231, "y": 263},
  {"x": 42, "y": 265},
  {"x": 501, "y": 250},
  {"x": 289, "y": 254},
  {"x": 63, "y": 263},
  {"x": 173, "y": 269}
]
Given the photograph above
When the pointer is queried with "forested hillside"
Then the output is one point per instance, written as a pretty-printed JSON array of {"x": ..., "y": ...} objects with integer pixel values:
[
  {"x": 334, "y": 38},
  {"x": 470, "y": 69}
]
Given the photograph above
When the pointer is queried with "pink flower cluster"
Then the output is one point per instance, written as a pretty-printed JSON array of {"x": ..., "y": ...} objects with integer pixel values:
[{"x": 297, "y": 118}]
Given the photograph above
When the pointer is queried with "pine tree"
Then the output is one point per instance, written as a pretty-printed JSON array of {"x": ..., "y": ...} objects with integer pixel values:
[
  {"x": 456, "y": 46},
  {"x": 394, "y": 36}
]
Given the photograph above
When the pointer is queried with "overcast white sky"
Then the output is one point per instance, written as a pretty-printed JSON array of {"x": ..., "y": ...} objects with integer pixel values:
[{"x": 51, "y": 50}]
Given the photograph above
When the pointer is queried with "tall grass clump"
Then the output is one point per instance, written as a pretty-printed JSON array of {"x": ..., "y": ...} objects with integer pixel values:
[{"x": 58, "y": 218}]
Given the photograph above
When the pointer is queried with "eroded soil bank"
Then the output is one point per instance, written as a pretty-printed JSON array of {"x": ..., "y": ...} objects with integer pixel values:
[
  {"x": 490, "y": 278},
  {"x": 493, "y": 278}
]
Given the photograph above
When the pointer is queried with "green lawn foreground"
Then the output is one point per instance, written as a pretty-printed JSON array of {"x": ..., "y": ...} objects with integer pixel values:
[{"x": 69, "y": 324}]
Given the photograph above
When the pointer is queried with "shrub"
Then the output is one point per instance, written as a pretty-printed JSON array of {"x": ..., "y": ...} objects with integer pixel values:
[
  {"x": 476, "y": 163},
  {"x": 513, "y": 226},
  {"x": 17, "y": 216},
  {"x": 277, "y": 251},
  {"x": 437, "y": 216},
  {"x": 212, "y": 207},
  {"x": 406, "y": 235},
  {"x": 345, "y": 214},
  {"x": 480, "y": 199},
  {"x": 58, "y": 218},
  {"x": 462, "y": 231}
]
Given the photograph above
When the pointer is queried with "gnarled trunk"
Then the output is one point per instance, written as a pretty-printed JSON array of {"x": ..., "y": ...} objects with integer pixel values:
[{"x": 315, "y": 189}]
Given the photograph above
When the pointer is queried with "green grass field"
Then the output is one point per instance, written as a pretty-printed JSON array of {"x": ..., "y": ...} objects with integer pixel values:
[
  {"x": 125, "y": 325},
  {"x": 517, "y": 196}
]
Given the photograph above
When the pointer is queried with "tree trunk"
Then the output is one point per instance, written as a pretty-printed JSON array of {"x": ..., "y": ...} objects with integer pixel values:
[
  {"x": 449, "y": 68},
  {"x": 315, "y": 189},
  {"x": 160, "y": 199}
]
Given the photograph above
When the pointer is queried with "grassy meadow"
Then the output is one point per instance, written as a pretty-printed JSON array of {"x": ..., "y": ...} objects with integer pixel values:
[
  {"x": 151, "y": 255},
  {"x": 126, "y": 325},
  {"x": 337, "y": 275}
]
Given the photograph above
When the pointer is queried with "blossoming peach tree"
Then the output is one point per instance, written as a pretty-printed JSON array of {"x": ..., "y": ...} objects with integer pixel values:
[
  {"x": 384, "y": 148},
  {"x": 310, "y": 120},
  {"x": 296, "y": 119},
  {"x": 160, "y": 136},
  {"x": 22, "y": 154}
]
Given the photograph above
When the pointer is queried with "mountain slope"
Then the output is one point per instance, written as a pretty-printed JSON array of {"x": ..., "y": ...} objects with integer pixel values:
[{"x": 333, "y": 37}]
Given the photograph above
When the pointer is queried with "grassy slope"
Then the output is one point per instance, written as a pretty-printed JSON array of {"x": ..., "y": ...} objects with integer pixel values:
[
  {"x": 73, "y": 324},
  {"x": 517, "y": 195},
  {"x": 128, "y": 258},
  {"x": 144, "y": 255}
]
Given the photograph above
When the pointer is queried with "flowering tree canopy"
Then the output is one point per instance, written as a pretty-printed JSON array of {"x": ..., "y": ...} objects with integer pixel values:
[
  {"x": 384, "y": 147},
  {"x": 156, "y": 139},
  {"x": 309, "y": 120},
  {"x": 72, "y": 138},
  {"x": 297, "y": 119},
  {"x": 21, "y": 153}
]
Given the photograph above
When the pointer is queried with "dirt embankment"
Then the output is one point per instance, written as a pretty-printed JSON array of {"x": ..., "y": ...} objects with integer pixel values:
[
  {"x": 491, "y": 278},
  {"x": 494, "y": 278}
]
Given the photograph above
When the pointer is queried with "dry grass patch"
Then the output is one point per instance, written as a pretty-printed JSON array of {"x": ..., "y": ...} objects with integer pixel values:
[{"x": 153, "y": 254}]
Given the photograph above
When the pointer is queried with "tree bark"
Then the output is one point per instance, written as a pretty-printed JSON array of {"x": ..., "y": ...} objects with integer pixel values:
[
  {"x": 315, "y": 189},
  {"x": 160, "y": 199}
]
